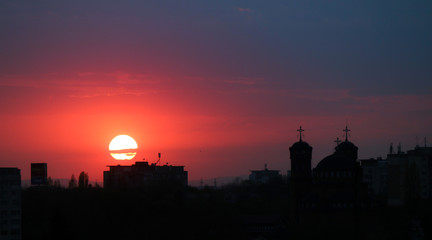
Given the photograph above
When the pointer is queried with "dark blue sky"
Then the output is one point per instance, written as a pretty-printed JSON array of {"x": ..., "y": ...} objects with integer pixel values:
[{"x": 374, "y": 47}]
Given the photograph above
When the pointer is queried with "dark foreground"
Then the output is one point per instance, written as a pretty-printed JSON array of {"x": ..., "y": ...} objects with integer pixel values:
[{"x": 241, "y": 211}]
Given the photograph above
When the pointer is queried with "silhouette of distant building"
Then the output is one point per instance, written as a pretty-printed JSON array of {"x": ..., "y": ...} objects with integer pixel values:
[
  {"x": 10, "y": 204},
  {"x": 375, "y": 175},
  {"x": 142, "y": 174},
  {"x": 39, "y": 174},
  {"x": 264, "y": 176},
  {"x": 409, "y": 175}
]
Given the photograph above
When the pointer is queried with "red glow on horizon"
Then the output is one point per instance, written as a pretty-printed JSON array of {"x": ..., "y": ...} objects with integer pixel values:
[{"x": 70, "y": 128}]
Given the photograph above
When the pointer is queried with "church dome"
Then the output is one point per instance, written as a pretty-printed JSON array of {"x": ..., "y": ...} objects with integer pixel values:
[
  {"x": 344, "y": 146},
  {"x": 300, "y": 151},
  {"x": 347, "y": 149},
  {"x": 334, "y": 162},
  {"x": 301, "y": 148},
  {"x": 300, "y": 145}
]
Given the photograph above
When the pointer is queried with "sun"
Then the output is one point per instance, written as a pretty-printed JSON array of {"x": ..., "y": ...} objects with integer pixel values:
[{"x": 123, "y": 147}]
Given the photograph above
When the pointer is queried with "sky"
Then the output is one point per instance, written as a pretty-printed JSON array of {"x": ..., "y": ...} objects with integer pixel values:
[{"x": 219, "y": 87}]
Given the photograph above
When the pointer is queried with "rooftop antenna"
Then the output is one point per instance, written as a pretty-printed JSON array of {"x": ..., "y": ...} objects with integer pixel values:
[
  {"x": 391, "y": 148},
  {"x": 300, "y": 130},
  {"x": 159, "y": 157},
  {"x": 399, "y": 148}
]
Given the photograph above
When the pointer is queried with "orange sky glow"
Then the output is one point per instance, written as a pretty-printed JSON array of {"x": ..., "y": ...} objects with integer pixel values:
[
  {"x": 211, "y": 137},
  {"x": 219, "y": 87}
]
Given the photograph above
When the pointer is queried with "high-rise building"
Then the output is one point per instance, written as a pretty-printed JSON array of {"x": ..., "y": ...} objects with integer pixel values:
[
  {"x": 264, "y": 176},
  {"x": 409, "y": 176},
  {"x": 10, "y": 204},
  {"x": 143, "y": 174},
  {"x": 375, "y": 175}
]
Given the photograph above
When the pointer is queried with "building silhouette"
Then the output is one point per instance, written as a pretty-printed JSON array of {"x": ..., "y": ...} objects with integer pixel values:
[
  {"x": 375, "y": 175},
  {"x": 301, "y": 157},
  {"x": 39, "y": 173},
  {"x": 409, "y": 176},
  {"x": 301, "y": 173},
  {"x": 10, "y": 204},
  {"x": 143, "y": 174},
  {"x": 333, "y": 190},
  {"x": 400, "y": 179},
  {"x": 264, "y": 176},
  {"x": 338, "y": 178}
]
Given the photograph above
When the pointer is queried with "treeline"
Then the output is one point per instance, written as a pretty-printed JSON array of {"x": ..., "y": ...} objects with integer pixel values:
[{"x": 82, "y": 182}]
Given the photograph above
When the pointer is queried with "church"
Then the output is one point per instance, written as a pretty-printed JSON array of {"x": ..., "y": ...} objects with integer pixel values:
[{"x": 333, "y": 190}]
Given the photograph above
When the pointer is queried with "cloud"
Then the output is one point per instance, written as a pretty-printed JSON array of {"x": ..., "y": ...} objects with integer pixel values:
[
  {"x": 86, "y": 84},
  {"x": 244, "y": 10},
  {"x": 244, "y": 81}
]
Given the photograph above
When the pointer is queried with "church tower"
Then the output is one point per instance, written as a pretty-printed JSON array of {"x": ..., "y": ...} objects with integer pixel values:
[
  {"x": 301, "y": 156},
  {"x": 347, "y": 149}
]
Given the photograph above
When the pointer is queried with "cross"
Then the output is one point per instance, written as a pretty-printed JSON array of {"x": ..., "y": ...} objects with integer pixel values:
[
  {"x": 337, "y": 141},
  {"x": 346, "y": 130},
  {"x": 300, "y": 130}
]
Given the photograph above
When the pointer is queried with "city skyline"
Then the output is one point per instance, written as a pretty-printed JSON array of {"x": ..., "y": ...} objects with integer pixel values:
[{"x": 217, "y": 87}]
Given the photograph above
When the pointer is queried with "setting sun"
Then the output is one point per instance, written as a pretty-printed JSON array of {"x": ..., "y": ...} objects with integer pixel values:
[{"x": 123, "y": 147}]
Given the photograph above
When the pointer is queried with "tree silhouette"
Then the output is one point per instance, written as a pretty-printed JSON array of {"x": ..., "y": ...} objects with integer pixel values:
[
  {"x": 83, "y": 180},
  {"x": 57, "y": 183},
  {"x": 49, "y": 181},
  {"x": 73, "y": 182}
]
